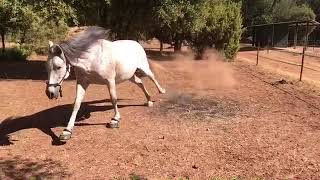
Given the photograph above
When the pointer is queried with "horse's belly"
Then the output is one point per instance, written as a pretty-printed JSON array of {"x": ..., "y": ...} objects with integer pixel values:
[
  {"x": 124, "y": 74},
  {"x": 126, "y": 66}
]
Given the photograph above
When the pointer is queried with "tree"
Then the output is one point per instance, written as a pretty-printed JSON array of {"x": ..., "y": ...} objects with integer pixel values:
[
  {"x": 31, "y": 23},
  {"x": 177, "y": 18},
  {"x": 287, "y": 10},
  {"x": 268, "y": 11},
  {"x": 7, "y": 19},
  {"x": 256, "y": 11},
  {"x": 91, "y": 12},
  {"x": 221, "y": 27},
  {"x": 54, "y": 10},
  {"x": 313, "y": 4}
]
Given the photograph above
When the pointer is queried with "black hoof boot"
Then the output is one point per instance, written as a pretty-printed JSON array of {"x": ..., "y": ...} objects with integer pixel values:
[
  {"x": 66, "y": 135},
  {"x": 113, "y": 124}
]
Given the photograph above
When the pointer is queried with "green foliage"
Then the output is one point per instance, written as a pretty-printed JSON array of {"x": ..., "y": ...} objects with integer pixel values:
[
  {"x": 10, "y": 12},
  {"x": 14, "y": 54},
  {"x": 287, "y": 10},
  {"x": 131, "y": 19},
  {"x": 177, "y": 19},
  {"x": 54, "y": 10},
  {"x": 313, "y": 4},
  {"x": 221, "y": 28},
  {"x": 257, "y": 11},
  {"x": 32, "y": 23},
  {"x": 92, "y": 12},
  {"x": 268, "y": 11},
  {"x": 180, "y": 17},
  {"x": 37, "y": 36}
]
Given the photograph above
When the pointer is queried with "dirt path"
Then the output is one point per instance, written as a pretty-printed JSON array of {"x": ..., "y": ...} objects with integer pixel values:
[{"x": 269, "y": 131}]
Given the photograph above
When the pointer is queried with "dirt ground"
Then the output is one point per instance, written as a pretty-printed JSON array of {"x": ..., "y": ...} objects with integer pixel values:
[
  {"x": 216, "y": 121},
  {"x": 288, "y": 64}
]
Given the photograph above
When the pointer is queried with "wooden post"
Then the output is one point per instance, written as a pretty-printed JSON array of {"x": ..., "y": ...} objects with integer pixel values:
[
  {"x": 302, "y": 63},
  {"x": 314, "y": 37},
  {"x": 253, "y": 38},
  {"x": 272, "y": 35},
  {"x": 268, "y": 44},
  {"x": 268, "y": 47},
  {"x": 307, "y": 36},
  {"x": 295, "y": 36},
  {"x": 304, "y": 49},
  {"x": 258, "y": 50},
  {"x": 161, "y": 46}
]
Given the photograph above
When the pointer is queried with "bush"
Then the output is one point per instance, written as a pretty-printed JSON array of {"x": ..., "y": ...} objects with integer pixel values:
[
  {"x": 14, "y": 54},
  {"x": 37, "y": 37},
  {"x": 221, "y": 29}
]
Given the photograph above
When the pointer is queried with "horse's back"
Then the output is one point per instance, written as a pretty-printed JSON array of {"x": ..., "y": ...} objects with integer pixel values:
[
  {"x": 128, "y": 47},
  {"x": 129, "y": 56}
]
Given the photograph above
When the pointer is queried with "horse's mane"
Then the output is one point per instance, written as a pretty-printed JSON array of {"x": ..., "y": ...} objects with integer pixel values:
[{"x": 74, "y": 47}]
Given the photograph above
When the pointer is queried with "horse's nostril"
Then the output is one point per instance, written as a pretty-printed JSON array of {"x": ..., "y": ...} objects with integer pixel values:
[{"x": 51, "y": 95}]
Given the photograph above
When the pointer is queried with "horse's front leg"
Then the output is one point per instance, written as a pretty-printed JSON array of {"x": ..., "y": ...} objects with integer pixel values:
[
  {"x": 114, "y": 123},
  {"x": 81, "y": 89}
]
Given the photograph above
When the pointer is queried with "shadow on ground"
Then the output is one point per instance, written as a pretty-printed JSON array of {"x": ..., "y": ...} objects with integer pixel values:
[
  {"x": 32, "y": 70},
  {"x": 165, "y": 55},
  {"x": 50, "y": 118},
  {"x": 20, "y": 168},
  {"x": 247, "y": 48}
]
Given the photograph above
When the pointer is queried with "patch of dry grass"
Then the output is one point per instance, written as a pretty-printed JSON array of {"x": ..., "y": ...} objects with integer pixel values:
[{"x": 192, "y": 107}]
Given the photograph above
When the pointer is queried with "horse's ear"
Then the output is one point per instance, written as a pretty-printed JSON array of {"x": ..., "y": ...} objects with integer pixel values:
[
  {"x": 55, "y": 49},
  {"x": 50, "y": 44}
]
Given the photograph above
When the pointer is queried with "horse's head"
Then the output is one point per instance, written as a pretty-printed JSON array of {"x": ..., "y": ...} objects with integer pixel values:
[{"x": 58, "y": 70}]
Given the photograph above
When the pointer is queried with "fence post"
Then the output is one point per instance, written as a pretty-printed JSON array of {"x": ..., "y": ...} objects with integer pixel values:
[
  {"x": 304, "y": 49},
  {"x": 253, "y": 36},
  {"x": 272, "y": 35},
  {"x": 302, "y": 63},
  {"x": 295, "y": 36},
  {"x": 258, "y": 49}
]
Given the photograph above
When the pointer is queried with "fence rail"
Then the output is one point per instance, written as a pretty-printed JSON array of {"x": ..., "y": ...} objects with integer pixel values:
[{"x": 276, "y": 37}]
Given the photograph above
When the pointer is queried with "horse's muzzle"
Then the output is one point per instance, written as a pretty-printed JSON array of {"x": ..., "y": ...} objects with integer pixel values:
[{"x": 53, "y": 92}]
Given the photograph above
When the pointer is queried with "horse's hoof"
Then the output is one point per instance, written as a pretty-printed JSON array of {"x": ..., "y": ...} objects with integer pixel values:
[
  {"x": 162, "y": 91},
  {"x": 113, "y": 124},
  {"x": 66, "y": 135},
  {"x": 149, "y": 104}
]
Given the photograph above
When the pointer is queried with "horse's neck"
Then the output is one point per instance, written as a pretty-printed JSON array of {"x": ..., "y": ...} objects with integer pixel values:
[
  {"x": 91, "y": 57},
  {"x": 80, "y": 63}
]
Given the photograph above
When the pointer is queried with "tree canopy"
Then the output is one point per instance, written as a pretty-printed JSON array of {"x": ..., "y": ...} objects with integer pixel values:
[
  {"x": 268, "y": 11},
  {"x": 200, "y": 23}
]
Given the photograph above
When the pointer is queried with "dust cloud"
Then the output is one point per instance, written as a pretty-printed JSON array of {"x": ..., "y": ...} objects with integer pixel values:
[{"x": 211, "y": 73}]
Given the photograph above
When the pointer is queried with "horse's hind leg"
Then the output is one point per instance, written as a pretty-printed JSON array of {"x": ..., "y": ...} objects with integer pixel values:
[
  {"x": 150, "y": 74},
  {"x": 138, "y": 82},
  {"x": 113, "y": 95}
]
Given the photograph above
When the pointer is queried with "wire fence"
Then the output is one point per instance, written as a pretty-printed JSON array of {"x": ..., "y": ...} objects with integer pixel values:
[{"x": 289, "y": 43}]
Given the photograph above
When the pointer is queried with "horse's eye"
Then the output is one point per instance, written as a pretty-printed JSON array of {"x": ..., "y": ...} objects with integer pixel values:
[{"x": 58, "y": 68}]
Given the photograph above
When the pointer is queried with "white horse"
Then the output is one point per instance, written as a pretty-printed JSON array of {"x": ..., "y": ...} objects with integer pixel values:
[{"x": 98, "y": 61}]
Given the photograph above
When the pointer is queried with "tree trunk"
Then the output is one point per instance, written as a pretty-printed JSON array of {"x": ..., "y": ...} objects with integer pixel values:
[
  {"x": 161, "y": 47},
  {"x": 23, "y": 37},
  {"x": 177, "y": 45},
  {"x": 3, "y": 44},
  {"x": 274, "y": 3}
]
